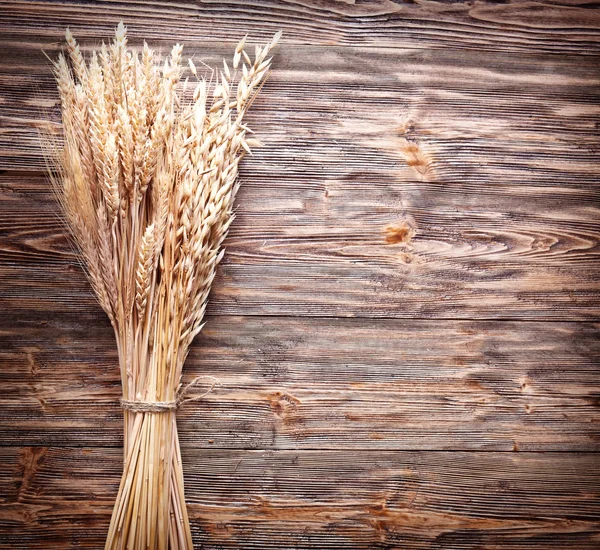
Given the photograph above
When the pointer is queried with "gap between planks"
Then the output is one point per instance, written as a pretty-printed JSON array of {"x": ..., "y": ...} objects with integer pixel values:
[{"x": 354, "y": 450}]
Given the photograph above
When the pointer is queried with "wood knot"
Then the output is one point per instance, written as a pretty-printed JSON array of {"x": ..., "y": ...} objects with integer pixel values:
[
  {"x": 283, "y": 404},
  {"x": 417, "y": 159},
  {"x": 402, "y": 232}
]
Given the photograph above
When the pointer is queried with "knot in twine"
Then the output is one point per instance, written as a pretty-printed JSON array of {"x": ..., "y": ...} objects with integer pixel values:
[{"x": 137, "y": 405}]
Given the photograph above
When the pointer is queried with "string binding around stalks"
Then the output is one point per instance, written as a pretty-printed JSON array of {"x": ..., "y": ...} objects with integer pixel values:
[{"x": 137, "y": 405}]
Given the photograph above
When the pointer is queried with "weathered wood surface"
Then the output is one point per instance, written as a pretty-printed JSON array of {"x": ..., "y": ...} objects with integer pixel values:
[
  {"x": 291, "y": 383},
  {"x": 307, "y": 499},
  {"x": 370, "y": 115},
  {"x": 505, "y": 209},
  {"x": 520, "y": 26},
  {"x": 430, "y": 169},
  {"x": 315, "y": 248}
]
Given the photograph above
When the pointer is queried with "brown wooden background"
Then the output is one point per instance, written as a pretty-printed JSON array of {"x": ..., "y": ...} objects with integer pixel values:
[{"x": 433, "y": 386}]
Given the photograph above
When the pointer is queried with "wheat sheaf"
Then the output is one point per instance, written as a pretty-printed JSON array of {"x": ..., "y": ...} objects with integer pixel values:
[{"x": 147, "y": 175}]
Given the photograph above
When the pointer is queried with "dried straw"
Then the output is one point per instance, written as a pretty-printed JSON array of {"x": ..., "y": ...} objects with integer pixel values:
[{"x": 147, "y": 178}]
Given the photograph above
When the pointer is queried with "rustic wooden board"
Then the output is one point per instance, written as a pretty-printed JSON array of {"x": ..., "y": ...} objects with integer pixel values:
[
  {"x": 373, "y": 114},
  {"x": 307, "y": 499},
  {"x": 321, "y": 384},
  {"x": 382, "y": 388},
  {"x": 511, "y": 251},
  {"x": 521, "y": 26}
]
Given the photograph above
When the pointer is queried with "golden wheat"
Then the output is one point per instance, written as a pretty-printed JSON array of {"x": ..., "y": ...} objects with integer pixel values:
[{"x": 147, "y": 177}]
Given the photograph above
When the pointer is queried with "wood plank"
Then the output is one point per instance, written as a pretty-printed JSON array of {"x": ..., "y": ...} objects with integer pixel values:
[
  {"x": 317, "y": 500},
  {"x": 520, "y": 26},
  {"x": 515, "y": 250},
  {"x": 291, "y": 383},
  {"x": 371, "y": 115}
]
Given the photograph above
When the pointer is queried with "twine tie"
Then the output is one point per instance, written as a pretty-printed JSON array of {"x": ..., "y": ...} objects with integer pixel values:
[{"x": 138, "y": 405}]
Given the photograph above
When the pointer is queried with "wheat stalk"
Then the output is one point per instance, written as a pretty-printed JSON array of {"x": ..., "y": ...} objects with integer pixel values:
[{"x": 147, "y": 177}]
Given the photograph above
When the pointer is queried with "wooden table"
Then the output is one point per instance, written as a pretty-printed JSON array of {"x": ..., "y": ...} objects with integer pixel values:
[{"x": 405, "y": 324}]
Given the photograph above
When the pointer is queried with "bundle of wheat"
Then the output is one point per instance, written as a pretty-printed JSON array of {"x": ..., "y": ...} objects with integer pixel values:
[{"x": 147, "y": 178}]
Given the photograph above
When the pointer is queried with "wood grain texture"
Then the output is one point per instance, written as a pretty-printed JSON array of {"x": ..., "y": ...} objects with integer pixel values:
[
  {"x": 323, "y": 248},
  {"x": 409, "y": 305},
  {"x": 306, "y": 499},
  {"x": 373, "y": 114},
  {"x": 290, "y": 383},
  {"x": 519, "y": 26}
]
